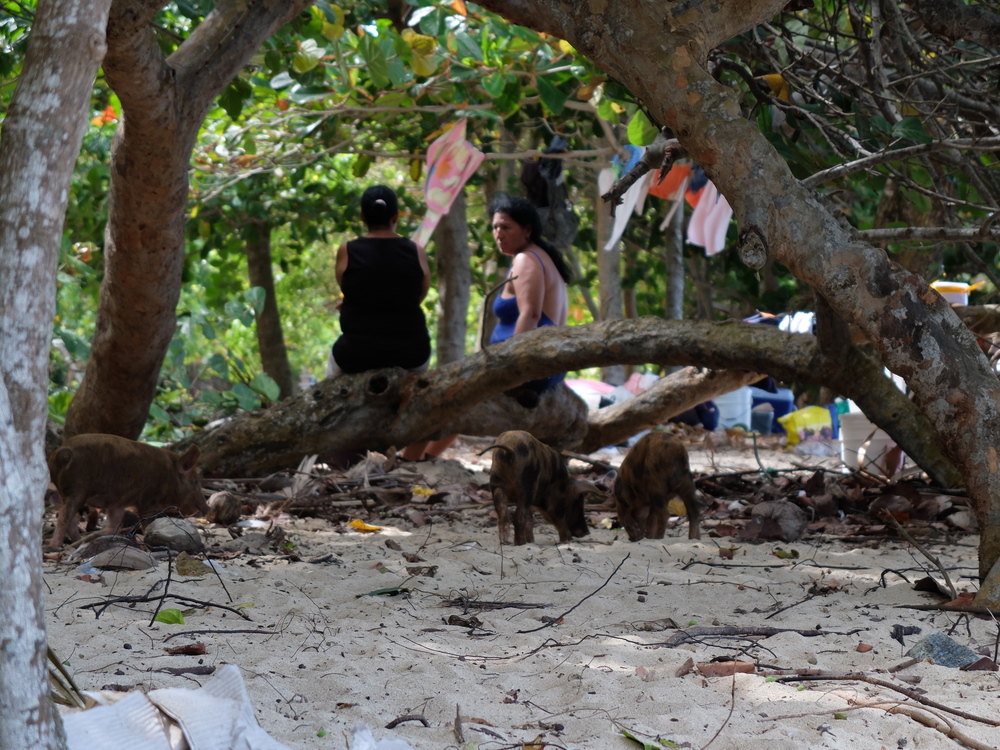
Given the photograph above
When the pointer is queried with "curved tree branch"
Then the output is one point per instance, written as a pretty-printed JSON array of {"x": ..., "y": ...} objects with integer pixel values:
[{"x": 392, "y": 407}]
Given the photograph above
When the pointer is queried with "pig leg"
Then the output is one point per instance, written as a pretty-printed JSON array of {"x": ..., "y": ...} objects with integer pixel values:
[
  {"x": 524, "y": 531},
  {"x": 560, "y": 522},
  {"x": 500, "y": 505},
  {"x": 524, "y": 520},
  {"x": 693, "y": 511},
  {"x": 66, "y": 521},
  {"x": 115, "y": 517},
  {"x": 656, "y": 522}
]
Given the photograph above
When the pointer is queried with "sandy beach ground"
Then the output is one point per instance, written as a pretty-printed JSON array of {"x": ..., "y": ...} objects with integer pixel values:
[{"x": 547, "y": 644}]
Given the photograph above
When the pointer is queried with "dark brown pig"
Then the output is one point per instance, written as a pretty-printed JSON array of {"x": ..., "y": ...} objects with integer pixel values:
[
  {"x": 532, "y": 476},
  {"x": 114, "y": 474},
  {"x": 654, "y": 470}
]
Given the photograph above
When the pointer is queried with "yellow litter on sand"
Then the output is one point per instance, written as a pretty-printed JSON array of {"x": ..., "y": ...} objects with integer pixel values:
[
  {"x": 363, "y": 527},
  {"x": 813, "y": 422}
]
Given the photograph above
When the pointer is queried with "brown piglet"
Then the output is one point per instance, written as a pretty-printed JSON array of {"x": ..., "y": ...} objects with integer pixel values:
[
  {"x": 532, "y": 476},
  {"x": 114, "y": 474},
  {"x": 655, "y": 469}
]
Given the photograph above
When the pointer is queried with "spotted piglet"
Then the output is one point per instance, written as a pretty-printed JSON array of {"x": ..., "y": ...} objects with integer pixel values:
[
  {"x": 654, "y": 470},
  {"x": 532, "y": 476}
]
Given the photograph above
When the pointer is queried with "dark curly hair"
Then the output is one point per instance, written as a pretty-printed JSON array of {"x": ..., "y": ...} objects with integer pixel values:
[{"x": 524, "y": 213}]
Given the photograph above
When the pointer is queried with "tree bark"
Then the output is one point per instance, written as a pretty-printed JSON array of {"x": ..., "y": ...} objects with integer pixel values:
[
  {"x": 919, "y": 336},
  {"x": 559, "y": 419},
  {"x": 392, "y": 407},
  {"x": 164, "y": 101},
  {"x": 452, "y": 255},
  {"x": 270, "y": 339},
  {"x": 40, "y": 142}
]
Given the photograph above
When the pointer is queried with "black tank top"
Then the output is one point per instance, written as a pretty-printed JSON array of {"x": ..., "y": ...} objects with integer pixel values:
[{"x": 381, "y": 320}]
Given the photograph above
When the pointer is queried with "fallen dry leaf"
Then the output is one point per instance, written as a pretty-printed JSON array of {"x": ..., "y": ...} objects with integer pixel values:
[
  {"x": 724, "y": 668},
  {"x": 190, "y": 649}
]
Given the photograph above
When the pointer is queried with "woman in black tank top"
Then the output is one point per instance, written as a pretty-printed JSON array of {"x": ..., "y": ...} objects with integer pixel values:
[{"x": 384, "y": 278}]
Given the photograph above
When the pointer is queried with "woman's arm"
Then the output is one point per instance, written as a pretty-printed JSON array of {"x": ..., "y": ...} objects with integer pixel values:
[
  {"x": 425, "y": 266},
  {"x": 529, "y": 288},
  {"x": 341, "y": 264}
]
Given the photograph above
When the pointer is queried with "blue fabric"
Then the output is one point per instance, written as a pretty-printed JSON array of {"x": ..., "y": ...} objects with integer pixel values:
[{"x": 507, "y": 313}]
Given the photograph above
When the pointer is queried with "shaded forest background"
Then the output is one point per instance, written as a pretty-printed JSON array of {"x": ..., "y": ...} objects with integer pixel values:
[{"x": 344, "y": 97}]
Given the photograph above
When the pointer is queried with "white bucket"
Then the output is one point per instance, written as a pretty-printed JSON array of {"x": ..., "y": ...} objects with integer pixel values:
[
  {"x": 856, "y": 429},
  {"x": 734, "y": 407},
  {"x": 872, "y": 455}
]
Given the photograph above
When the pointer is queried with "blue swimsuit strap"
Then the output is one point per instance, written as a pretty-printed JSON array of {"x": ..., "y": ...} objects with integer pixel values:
[{"x": 538, "y": 258}]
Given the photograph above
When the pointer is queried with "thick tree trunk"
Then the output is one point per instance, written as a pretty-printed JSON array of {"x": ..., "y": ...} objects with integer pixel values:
[
  {"x": 163, "y": 104},
  {"x": 391, "y": 407},
  {"x": 270, "y": 338},
  {"x": 919, "y": 336},
  {"x": 451, "y": 254},
  {"x": 39, "y": 144}
]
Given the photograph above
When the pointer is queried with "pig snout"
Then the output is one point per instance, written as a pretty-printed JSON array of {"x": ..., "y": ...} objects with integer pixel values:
[{"x": 192, "y": 500}]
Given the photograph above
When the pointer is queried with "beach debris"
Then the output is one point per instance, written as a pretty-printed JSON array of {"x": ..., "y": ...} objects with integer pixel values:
[
  {"x": 123, "y": 557},
  {"x": 173, "y": 533},
  {"x": 216, "y": 715},
  {"x": 189, "y": 649},
  {"x": 943, "y": 651},
  {"x": 724, "y": 668},
  {"x": 899, "y": 631},
  {"x": 776, "y": 519},
  {"x": 187, "y": 566},
  {"x": 359, "y": 525},
  {"x": 224, "y": 508},
  {"x": 365, "y": 740}
]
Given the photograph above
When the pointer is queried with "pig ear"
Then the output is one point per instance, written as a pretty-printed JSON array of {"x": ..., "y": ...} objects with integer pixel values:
[{"x": 189, "y": 459}]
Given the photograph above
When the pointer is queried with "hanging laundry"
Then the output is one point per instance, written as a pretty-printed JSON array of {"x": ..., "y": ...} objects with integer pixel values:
[
  {"x": 710, "y": 220},
  {"x": 633, "y": 199},
  {"x": 451, "y": 161},
  {"x": 671, "y": 181}
]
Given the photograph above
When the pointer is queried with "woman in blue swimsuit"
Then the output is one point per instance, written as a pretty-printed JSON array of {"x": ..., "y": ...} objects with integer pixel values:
[{"x": 536, "y": 294}]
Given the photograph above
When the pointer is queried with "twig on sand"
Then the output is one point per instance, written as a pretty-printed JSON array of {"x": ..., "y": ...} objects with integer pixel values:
[
  {"x": 732, "y": 706},
  {"x": 919, "y": 715},
  {"x": 216, "y": 631},
  {"x": 923, "y": 550},
  {"x": 459, "y": 734},
  {"x": 691, "y": 634},
  {"x": 782, "y": 675},
  {"x": 559, "y": 619},
  {"x": 794, "y": 604},
  {"x": 408, "y": 717}
]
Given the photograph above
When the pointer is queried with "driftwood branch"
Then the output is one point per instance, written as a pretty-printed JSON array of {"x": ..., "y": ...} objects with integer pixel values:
[
  {"x": 911, "y": 693},
  {"x": 382, "y": 408}
]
